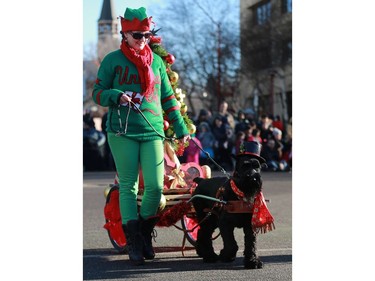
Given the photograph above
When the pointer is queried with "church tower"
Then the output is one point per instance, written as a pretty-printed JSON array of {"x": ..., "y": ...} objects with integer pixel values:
[{"x": 108, "y": 33}]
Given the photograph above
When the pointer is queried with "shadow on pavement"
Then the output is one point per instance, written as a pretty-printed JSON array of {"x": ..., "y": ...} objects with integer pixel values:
[{"x": 97, "y": 264}]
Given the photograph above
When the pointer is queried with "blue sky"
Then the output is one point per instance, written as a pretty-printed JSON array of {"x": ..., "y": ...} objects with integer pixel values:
[{"x": 91, "y": 14}]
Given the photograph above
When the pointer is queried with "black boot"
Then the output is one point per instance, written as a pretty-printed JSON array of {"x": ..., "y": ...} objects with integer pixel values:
[
  {"x": 147, "y": 227},
  {"x": 134, "y": 241}
]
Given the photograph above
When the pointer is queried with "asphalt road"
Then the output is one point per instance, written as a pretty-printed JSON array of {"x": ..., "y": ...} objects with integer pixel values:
[{"x": 102, "y": 262}]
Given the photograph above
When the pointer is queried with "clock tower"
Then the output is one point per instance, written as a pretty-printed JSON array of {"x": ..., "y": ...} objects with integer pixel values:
[{"x": 108, "y": 33}]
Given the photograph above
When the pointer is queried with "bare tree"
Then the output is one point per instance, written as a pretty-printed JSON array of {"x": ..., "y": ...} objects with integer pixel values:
[
  {"x": 90, "y": 52},
  {"x": 204, "y": 38},
  {"x": 106, "y": 44},
  {"x": 90, "y": 68}
]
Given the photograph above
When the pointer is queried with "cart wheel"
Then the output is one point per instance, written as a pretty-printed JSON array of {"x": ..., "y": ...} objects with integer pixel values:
[
  {"x": 113, "y": 220},
  {"x": 188, "y": 224}
]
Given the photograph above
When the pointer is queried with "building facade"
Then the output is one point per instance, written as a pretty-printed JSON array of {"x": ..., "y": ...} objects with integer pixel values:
[
  {"x": 108, "y": 30},
  {"x": 266, "y": 56},
  {"x": 108, "y": 41}
]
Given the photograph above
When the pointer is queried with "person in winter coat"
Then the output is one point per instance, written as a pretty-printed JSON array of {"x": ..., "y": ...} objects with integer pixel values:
[
  {"x": 192, "y": 151},
  {"x": 207, "y": 140},
  {"x": 132, "y": 80},
  {"x": 223, "y": 143}
]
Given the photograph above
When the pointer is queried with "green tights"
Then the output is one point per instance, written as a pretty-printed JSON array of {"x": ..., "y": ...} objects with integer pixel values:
[{"x": 130, "y": 156}]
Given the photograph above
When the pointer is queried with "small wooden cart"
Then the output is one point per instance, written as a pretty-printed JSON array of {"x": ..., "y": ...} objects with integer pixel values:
[{"x": 170, "y": 197}]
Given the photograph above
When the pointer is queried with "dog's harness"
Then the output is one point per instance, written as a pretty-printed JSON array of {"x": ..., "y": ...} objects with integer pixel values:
[
  {"x": 242, "y": 205},
  {"x": 236, "y": 190}
]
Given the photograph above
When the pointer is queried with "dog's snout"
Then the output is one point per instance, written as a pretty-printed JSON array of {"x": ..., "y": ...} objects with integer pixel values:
[{"x": 252, "y": 173}]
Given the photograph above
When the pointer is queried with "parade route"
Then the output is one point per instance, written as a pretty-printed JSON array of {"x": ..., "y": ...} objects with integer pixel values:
[{"x": 102, "y": 262}]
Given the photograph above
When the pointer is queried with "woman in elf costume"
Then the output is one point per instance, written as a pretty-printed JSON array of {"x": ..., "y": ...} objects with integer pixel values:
[{"x": 134, "y": 73}]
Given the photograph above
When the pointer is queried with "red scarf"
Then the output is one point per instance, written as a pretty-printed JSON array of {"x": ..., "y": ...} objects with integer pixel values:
[
  {"x": 262, "y": 219},
  {"x": 142, "y": 61}
]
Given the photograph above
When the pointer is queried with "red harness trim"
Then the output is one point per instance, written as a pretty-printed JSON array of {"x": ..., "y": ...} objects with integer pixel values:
[{"x": 235, "y": 189}]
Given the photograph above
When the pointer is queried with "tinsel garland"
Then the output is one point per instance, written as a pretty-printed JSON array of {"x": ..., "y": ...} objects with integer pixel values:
[{"x": 174, "y": 214}]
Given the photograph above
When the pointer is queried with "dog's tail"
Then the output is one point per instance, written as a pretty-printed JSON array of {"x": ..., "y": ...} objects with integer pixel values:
[{"x": 198, "y": 180}]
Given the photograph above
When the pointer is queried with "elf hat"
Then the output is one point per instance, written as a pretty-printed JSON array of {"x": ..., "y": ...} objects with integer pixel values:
[
  {"x": 251, "y": 148},
  {"x": 135, "y": 19}
]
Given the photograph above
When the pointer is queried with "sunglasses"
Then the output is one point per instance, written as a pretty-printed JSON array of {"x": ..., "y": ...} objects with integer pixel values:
[{"x": 138, "y": 35}]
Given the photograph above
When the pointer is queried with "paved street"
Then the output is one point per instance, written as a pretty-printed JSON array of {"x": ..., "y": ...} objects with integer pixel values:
[{"x": 102, "y": 262}]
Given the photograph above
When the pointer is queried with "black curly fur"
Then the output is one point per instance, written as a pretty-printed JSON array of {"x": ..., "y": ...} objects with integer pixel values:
[{"x": 248, "y": 179}]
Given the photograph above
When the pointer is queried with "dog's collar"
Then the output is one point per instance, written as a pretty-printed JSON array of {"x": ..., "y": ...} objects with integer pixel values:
[{"x": 235, "y": 189}]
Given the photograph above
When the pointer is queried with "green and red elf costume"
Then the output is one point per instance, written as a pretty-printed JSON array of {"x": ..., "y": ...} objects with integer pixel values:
[{"x": 134, "y": 143}]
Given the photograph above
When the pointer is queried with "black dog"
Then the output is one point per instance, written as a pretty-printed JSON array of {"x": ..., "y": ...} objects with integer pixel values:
[{"x": 247, "y": 179}]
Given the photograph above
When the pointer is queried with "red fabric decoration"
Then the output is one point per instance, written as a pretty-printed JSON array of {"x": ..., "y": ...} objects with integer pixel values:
[
  {"x": 155, "y": 40},
  {"x": 174, "y": 214},
  {"x": 142, "y": 61},
  {"x": 180, "y": 149},
  {"x": 113, "y": 219},
  {"x": 135, "y": 24},
  {"x": 262, "y": 219}
]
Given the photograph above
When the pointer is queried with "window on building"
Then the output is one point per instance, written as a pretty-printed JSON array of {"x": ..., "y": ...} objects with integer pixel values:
[
  {"x": 104, "y": 28},
  {"x": 260, "y": 58},
  {"x": 114, "y": 28},
  {"x": 287, "y": 51},
  {"x": 287, "y": 6},
  {"x": 262, "y": 12}
]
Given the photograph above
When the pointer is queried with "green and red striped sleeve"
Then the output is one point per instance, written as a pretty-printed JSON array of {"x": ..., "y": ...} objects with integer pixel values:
[{"x": 103, "y": 94}]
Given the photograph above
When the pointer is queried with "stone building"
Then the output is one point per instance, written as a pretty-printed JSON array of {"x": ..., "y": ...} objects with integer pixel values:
[
  {"x": 108, "y": 40},
  {"x": 108, "y": 30},
  {"x": 266, "y": 56}
]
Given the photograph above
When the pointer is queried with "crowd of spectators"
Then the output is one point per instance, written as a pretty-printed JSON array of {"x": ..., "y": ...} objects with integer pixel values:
[
  {"x": 94, "y": 145},
  {"x": 219, "y": 134}
]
